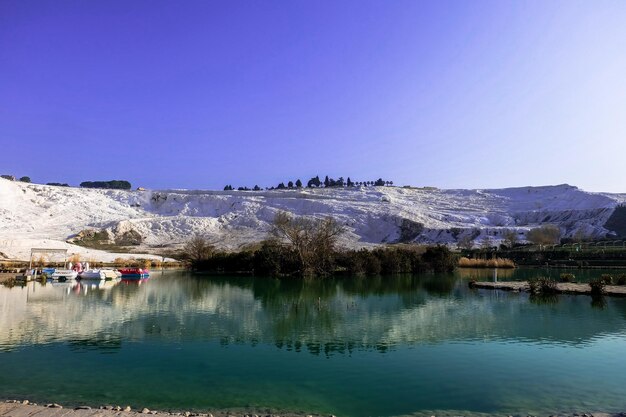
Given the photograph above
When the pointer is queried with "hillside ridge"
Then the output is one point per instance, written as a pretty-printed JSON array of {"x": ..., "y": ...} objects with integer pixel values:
[{"x": 49, "y": 216}]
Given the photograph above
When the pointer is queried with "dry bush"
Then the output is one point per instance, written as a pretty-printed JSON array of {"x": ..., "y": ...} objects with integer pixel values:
[
  {"x": 75, "y": 258},
  {"x": 122, "y": 262},
  {"x": 486, "y": 263},
  {"x": 40, "y": 262},
  {"x": 548, "y": 234},
  {"x": 313, "y": 240},
  {"x": 597, "y": 286},
  {"x": 542, "y": 285}
]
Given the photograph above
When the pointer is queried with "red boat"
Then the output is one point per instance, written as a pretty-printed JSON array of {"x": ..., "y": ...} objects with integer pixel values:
[{"x": 134, "y": 273}]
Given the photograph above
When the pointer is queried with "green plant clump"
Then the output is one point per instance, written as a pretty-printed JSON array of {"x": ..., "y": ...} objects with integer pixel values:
[
  {"x": 597, "y": 286},
  {"x": 607, "y": 279},
  {"x": 542, "y": 285},
  {"x": 566, "y": 277}
]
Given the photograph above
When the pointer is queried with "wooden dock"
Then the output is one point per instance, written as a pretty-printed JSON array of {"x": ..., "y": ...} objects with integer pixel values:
[{"x": 561, "y": 287}]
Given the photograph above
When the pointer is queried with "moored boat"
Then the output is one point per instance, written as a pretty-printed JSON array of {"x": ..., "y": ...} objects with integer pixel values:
[
  {"x": 61, "y": 274},
  {"x": 111, "y": 273},
  {"x": 134, "y": 273},
  {"x": 93, "y": 274}
]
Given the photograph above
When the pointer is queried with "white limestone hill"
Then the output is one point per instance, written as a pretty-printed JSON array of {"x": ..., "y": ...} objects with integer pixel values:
[{"x": 33, "y": 215}]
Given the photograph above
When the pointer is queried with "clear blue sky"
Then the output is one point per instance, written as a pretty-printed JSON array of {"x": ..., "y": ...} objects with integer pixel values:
[{"x": 198, "y": 94}]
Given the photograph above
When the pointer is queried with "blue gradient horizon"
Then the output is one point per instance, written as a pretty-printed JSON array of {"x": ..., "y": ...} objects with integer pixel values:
[{"x": 200, "y": 94}]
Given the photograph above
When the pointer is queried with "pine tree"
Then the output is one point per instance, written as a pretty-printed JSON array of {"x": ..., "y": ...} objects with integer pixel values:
[
  {"x": 350, "y": 183},
  {"x": 257, "y": 188},
  {"x": 290, "y": 184},
  {"x": 314, "y": 182},
  {"x": 326, "y": 181},
  {"x": 299, "y": 183}
]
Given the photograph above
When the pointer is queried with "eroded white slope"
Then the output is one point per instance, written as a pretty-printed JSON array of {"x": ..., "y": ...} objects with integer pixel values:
[{"x": 35, "y": 215}]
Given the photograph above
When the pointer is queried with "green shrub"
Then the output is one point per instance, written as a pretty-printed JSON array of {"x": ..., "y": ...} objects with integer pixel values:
[
  {"x": 621, "y": 279},
  {"x": 566, "y": 277},
  {"x": 542, "y": 285},
  {"x": 607, "y": 279},
  {"x": 597, "y": 286}
]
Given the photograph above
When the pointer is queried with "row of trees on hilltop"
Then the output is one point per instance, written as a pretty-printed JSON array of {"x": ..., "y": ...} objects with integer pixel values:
[
  {"x": 12, "y": 178},
  {"x": 114, "y": 184},
  {"x": 315, "y": 182}
]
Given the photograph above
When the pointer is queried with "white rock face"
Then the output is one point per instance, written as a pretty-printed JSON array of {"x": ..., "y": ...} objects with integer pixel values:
[{"x": 34, "y": 215}]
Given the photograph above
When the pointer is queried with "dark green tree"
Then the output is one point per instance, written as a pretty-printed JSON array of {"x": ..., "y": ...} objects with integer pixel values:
[
  {"x": 298, "y": 183},
  {"x": 350, "y": 183},
  {"x": 290, "y": 184},
  {"x": 315, "y": 181},
  {"x": 25, "y": 179}
]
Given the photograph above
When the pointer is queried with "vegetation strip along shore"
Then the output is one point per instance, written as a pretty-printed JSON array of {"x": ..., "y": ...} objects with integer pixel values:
[{"x": 558, "y": 288}]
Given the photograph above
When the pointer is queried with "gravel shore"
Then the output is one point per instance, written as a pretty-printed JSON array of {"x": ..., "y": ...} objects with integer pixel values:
[{"x": 24, "y": 408}]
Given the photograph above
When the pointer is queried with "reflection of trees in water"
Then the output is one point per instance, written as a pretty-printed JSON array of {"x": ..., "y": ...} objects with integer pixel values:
[
  {"x": 543, "y": 299},
  {"x": 100, "y": 342},
  {"x": 598, "y": 301},
  {"x": 334, "y": 315}
]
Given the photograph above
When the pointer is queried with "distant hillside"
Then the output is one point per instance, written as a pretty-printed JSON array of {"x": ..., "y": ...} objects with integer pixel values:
[{"x": 32, "y": 214}]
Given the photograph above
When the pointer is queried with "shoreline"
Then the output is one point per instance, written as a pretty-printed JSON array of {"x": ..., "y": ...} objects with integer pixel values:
[
  {"x": 561, "y": 288},
  {"x": 25, "y": 408}
]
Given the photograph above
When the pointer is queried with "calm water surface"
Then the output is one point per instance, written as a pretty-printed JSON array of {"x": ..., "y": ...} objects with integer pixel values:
[{"x": 353, "y": 347}]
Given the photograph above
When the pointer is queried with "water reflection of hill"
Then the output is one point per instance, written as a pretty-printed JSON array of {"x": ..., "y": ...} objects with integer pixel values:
[{"x": 320, "y": 316}]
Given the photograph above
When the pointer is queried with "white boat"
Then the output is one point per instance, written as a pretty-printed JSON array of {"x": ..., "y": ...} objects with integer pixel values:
[
  {"x": 61, "y": 274},
  {"x": 100, "y": 274},
  {"x": 93, "y": 274},
  {"x": 111, "y": 273}
]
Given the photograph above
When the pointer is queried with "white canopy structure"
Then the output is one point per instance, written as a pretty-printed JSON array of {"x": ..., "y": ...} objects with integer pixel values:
[{"x": 46, "y": 251}]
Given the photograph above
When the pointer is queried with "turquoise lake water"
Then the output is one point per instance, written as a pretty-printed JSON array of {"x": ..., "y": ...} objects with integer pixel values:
[{"x": 374, "y": 346}]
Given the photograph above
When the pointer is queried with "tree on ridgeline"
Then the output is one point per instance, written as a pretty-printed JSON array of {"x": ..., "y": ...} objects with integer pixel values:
[
  {"x": 290, "y": 184},
  {"x": 228, "y": 188},
  {"x": 113, "y": 184},
  {"x": 315, "y": 181},
  {"x": 281, "y": 186},
  {"x": 349, "y": 182},
  {"x": 25, "y": 179},
  {"x": 326, "y": 181},
  {"x": 379, "y": 182},
  {"x": 298, "y": 183},
  {"x": 257, "y": 188}
]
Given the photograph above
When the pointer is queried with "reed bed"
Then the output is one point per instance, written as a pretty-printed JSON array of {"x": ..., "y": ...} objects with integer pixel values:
[{"x": 486, "y": 263}]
